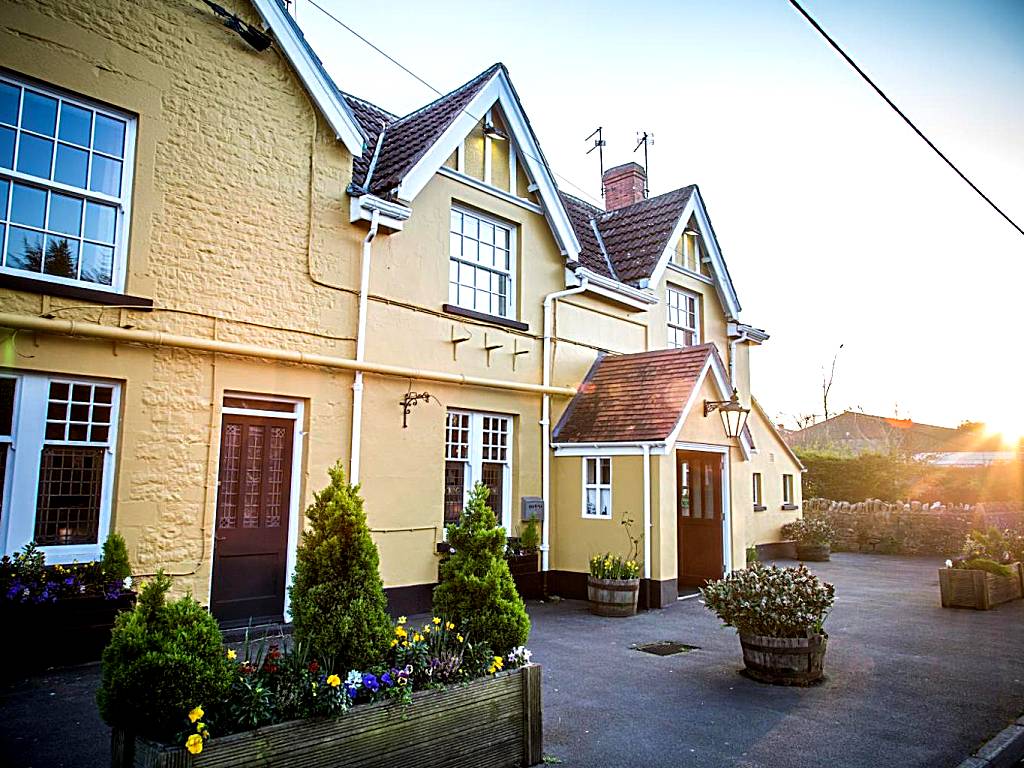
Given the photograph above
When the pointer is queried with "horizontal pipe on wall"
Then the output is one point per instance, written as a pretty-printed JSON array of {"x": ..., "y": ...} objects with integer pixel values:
[{"x": 159, "y": 338}]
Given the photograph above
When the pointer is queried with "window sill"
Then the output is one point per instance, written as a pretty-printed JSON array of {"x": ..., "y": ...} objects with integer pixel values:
[
  {"x": 33, "y": 285},
  {"x": 789, "y": 507},
  {"x": 483, "y": 317},
  {"x": 760, "y": 507},
  {"x": 596, "y": 517}
]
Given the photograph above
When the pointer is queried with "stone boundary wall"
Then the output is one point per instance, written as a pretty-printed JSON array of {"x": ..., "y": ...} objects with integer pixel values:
[{"x": 913, "y": 528}]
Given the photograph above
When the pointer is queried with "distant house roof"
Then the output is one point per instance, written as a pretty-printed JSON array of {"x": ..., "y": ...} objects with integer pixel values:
[
  {"x": 966, "y": 458},
  {"x": 641, "y": 398},
  {"x": 862, "y": 432}
]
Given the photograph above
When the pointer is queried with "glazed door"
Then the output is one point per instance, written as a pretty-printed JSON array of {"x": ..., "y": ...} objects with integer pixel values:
[
  {"x": 699, "y": 529},
  {"x": 251, "y": 539}
]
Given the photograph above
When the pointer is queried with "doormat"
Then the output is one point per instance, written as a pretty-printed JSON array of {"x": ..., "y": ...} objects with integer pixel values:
[{"x": 666, "y": 648}]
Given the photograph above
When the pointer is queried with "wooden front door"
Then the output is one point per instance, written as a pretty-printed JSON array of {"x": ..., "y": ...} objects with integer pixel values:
[
  {"x": 699, "y": 506},
  {"x": 251, "y": 539}
]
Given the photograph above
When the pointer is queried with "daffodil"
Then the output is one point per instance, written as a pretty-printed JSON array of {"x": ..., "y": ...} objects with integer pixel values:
[
  {"x": 232, "y": 654},
  {"x": 394, "y": 642},
  {"x": 449, "y": 625},
  {"x": 426, "y": 630},
  {"x": 333, "y": 680},
  {"x": 194, "y": 743},
  {"x": 195, "y": 714},
  {"x": 417, "y": 637},
  {"x": 459, "y": 638},
  {"x": 401, "y": 632},
  {"x": 499, "y": 662},
  {"x": 402, "y": 619},
  {"x": 437, "y": 621}
]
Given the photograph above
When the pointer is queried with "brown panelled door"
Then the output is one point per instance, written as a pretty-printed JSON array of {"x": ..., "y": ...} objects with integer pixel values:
[
  {"x": 251, "y": 539},
  {"x": 699, "y": 529}
]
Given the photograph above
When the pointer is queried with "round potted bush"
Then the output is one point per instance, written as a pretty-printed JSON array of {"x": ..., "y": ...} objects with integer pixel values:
[
  {"x": 813, "y": 537},
  {"x": 778, "y": 614},
  {"x": 613, "y": 585}
]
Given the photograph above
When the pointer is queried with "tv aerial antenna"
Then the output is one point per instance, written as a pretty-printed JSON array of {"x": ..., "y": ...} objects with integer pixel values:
[
  {"x": 645, "y": 140},
  {"x": 599, "y": 145}
]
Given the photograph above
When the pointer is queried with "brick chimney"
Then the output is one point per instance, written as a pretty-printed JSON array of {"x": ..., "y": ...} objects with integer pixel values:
[{"x": 624, "y": 185}]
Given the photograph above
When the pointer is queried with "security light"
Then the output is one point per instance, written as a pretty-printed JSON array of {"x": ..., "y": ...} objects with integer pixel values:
[
  {"x": 734, "y": 415},
  {"x": 491, "y": 131}
]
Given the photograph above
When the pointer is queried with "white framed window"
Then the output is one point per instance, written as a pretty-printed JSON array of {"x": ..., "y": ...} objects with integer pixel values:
[
  {"x": 481, "y": 266},
  {"x": 787, "y": 489},
  {"x": 65, "y": 186},
  {"x": 757, "y": 492},
  {"x": 683, "y": 317},
  {"x": 478, "y": 448},
  {"x": 59, "y": 457},
  {"x": 597, "y": 486}
]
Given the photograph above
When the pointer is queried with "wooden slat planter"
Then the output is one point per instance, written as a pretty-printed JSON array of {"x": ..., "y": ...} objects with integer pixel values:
[
  {"x": 784, "y": 660},
  {"x": 814, "y": 553},
  {"x": 493, "y": 722},
  {"x": 613, "y": 597},
  {"x": 981, "y": 590},
  {"x": 526, "y": 574}
]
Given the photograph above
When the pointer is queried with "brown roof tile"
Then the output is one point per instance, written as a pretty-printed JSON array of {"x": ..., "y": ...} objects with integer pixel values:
[{"x": 637, "y": 397}]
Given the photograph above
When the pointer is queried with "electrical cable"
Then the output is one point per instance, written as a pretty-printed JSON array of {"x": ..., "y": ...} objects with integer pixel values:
[
  {"x": 900, "y": 112},
  {"x": 408, "y": 71}
]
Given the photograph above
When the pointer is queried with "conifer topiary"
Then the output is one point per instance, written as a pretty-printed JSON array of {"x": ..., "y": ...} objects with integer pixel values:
[
  {"x": 164, "y": 660},
  {"x": 476, "y": 590},
  {"x": 338, "y": 606}
]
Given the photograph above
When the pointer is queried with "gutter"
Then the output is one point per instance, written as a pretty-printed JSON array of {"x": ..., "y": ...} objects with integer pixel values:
[
  {"x": 80, "y": 329},
  {"x": 613, "y": 289},
  {"x": 545, "y": 415}
]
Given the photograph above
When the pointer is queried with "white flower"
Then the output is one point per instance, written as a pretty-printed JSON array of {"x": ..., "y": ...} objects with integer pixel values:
[
  {"x": 949, "y": 563},
  {"x": 127, "y": 582}
]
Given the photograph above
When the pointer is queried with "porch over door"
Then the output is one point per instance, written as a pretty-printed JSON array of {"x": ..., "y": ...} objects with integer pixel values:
[
  {"x": 251, "y": 537},
  {"x": 699, "y": 517}
]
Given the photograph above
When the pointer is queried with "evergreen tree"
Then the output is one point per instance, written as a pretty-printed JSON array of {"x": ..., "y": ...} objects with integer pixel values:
[
  {"x": 476, "y": 589},
  {"x": 337, "y": 599}
]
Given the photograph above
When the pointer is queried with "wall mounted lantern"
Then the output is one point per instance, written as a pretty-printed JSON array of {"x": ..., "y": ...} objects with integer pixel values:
[{"x": 734, "y": 415}]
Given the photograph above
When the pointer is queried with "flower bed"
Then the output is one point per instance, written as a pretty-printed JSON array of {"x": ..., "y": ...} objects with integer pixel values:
[
  {"x": 814, "y": 537},
  {"x": 987, "y": 573},
  {"x": 494, "y": 721}
]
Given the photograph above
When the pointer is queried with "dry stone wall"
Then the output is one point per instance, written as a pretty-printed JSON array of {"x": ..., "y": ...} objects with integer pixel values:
[{"x": 913, "y": 528}]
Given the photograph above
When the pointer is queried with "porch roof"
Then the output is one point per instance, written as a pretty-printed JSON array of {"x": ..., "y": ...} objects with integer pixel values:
[{"x": 636, "y": 398}]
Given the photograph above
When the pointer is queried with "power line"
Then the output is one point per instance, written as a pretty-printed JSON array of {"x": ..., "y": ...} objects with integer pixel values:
[
  {"x": 900, "y": 112},
  {"x": 408, "y": 71}
]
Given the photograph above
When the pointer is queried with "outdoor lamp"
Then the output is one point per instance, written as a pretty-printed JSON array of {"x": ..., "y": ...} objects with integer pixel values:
[
  {"x": 734, "y": 415},
  {"x": 491, "y": 131}
]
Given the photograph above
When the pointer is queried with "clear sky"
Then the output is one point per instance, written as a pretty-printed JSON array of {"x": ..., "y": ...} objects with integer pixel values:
[{"x": 839, "y": 225}]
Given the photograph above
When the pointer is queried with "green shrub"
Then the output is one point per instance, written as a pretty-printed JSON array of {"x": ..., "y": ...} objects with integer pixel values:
[
  {"x": 337, "y": 599},
  {"x": 529, "y": 536},
  {"x": 752, "y": 556},
  {"x": 115, "y": 558},
  {"x": 164, "y": 659},
  {"x": 771, "y": 602},
  {"x": 814, "y": 532},
  {"x": 984, "y": 564},
  {"x": 476, "y": 590}
]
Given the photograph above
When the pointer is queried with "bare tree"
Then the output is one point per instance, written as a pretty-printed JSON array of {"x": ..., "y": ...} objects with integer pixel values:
[{"x": 826, "y": 383}]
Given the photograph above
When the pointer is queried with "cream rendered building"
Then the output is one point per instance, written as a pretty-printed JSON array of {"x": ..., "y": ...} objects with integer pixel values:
[{"x": 220, "y": 274}]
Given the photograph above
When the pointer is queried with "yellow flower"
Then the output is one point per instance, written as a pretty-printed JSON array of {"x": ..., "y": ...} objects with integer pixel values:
[
  {"x": 426, "y": 630},
  {"x": 449, "y": 625},
  {"x": 402, "y": 619},
  {"x": 194, "y": 743},
  {"x": 436, "y": 621},
  {"x": 195, "y": 714},
  {"x": 232, "y": 654},
  {"x": 201, "y": 729},
  {"x": 498, "y": 662},
  {"x": 405, "y": 643},
  {"x": 333, "y": 680},
  {"x": 394, "y": 642},
  {"x": 417, "y": 637},
  {"x": 459, "y": 638},
  {"x": 400, "y": 631}
]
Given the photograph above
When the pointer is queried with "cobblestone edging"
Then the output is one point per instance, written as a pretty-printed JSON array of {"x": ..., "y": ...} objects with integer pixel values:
[{"x": 1004, "y": 750}]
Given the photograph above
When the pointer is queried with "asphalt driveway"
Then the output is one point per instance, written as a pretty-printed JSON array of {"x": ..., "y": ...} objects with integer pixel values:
[{"x": 909, "y": 684}]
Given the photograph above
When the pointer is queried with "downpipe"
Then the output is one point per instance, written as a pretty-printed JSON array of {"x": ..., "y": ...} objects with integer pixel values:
[{"x": 357, "y": 384}]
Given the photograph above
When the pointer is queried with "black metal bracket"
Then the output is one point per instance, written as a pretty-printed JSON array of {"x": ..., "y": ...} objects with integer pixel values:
[{"x": 408, "y": 401}]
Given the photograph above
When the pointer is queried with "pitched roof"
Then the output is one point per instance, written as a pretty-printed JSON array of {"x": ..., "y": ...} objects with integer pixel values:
[
  {"x": 407, "y": 139},
  {"x": 583, "y": 215},
  {"x": 634, "y": 398}
]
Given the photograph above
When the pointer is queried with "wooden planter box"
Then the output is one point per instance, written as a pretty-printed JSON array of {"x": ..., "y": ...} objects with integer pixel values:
[
  {"x": 613, "y": 597},
  {"x": 493, "y": 722},
  {"x": 784, "y": 660},
  {"x": 814, "y": 553},
  {"x": 980, "y": 590},
  {"x": 69, "y": 631},
  {"x": 527, "y": 575}
]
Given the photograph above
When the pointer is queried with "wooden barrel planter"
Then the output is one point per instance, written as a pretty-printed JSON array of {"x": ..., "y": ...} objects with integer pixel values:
[
  {"x": 814, "y": 553},
  {"x": 494, "y": 722},
  {"x": 784, "y": 660},
  {"x": 613, "y": 597},
  {"x": 981, "y": 590}
]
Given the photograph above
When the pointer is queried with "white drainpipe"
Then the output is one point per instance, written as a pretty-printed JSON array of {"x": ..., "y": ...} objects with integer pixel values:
[
  {"x": 732, "y": 357},
  {"x": 545, "y": 419},
  {"x": 357, "y": 385},
  {"x": 647, "y": 511}
]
